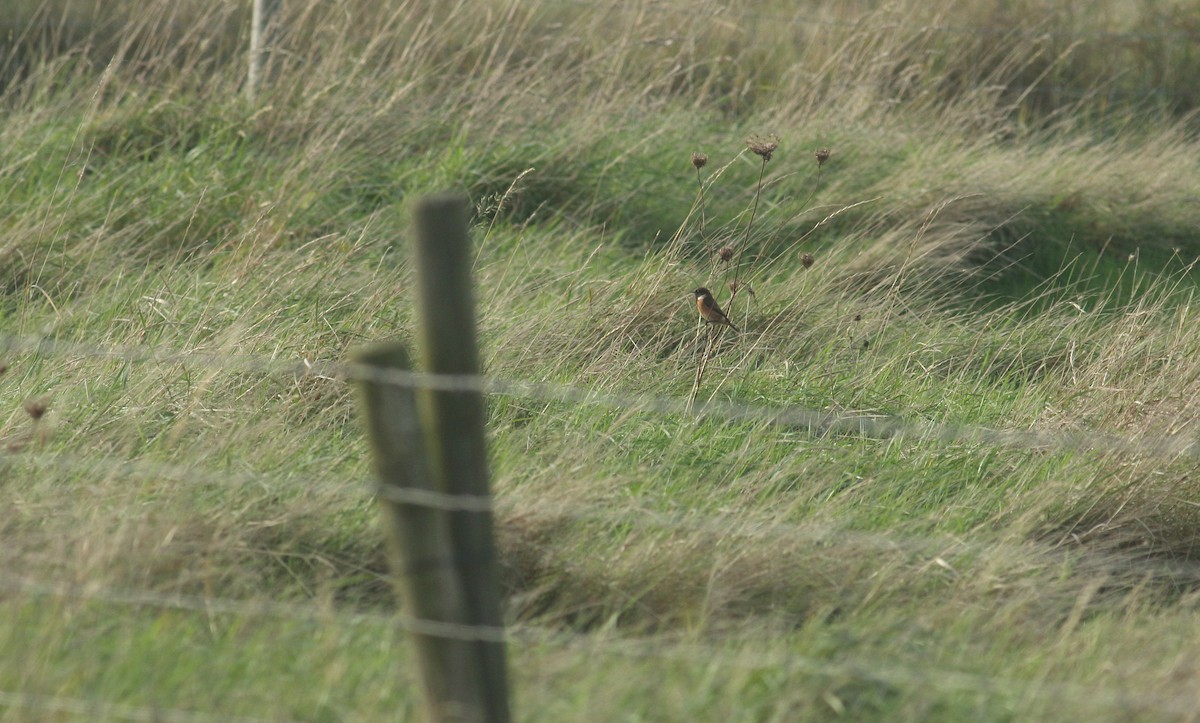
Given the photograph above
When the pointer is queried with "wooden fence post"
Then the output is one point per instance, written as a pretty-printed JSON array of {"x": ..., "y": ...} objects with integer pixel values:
[
  {"x": 264, "y": 26},
  {"x": 432, "y": 439}
]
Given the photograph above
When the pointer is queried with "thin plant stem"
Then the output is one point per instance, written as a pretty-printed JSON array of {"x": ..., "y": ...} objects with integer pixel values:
[
  {"x": 737, "y": 267},
  {"x": 700, "y": 367},
  {"x": 700, "y": 203}
]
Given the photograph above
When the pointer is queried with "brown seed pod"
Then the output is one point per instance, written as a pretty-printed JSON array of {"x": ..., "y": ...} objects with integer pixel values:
[
  {"x": 763, "y": 145},
  {"x": 35, "y": 408}
]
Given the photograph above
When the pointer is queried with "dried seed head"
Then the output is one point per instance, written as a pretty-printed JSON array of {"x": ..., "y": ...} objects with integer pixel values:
[
  {"x": 822, "y": 156},
  {"x": 858, "y": 317},
  {"x": 725, "y": 253},
  {"x": 807, "y": 260},
  {"x": 763, "y": 145},
  {"x": 3, "y": 368},
  {"x": 35, "y": 408},
  {"x": 699, "y": 160}
]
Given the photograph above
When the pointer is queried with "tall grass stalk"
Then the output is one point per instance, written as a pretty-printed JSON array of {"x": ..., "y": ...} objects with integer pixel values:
[{"x": 1006, "y": 243}]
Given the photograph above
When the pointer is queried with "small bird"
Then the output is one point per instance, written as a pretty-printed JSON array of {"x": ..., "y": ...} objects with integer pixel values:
[{"x": 709, "y": 311}]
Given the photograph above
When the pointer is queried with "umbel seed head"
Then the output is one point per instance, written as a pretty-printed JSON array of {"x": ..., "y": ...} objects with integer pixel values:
[
  {"x": 725, "y": 253},
  {"x": 35, "y": 408},
  {"x": 822, "y": 156},
  {"x": 807, "y": 260},
  {"x": 699, "y": 160},
  {"x": 763, "y": 145}
]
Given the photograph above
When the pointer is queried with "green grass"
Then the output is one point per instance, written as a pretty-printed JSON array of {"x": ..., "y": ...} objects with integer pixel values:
[{"x": 1003, "y": 274}]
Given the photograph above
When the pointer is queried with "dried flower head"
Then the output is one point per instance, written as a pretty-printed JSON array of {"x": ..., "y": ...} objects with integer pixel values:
[
  {"x": 807, "y": 260},
  {"x": 3, "y": 368},
  {"x": 35, "y": 408},
  {"x": 699, "y": 160},
  {"x": 858, "y": 317},
  {"x": 763, "y": 145},
  {"x": 725, "y": 253},
  {"x": 822, "y": 156}
]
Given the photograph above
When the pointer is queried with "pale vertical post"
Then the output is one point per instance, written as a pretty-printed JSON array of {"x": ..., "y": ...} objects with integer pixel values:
[{"x": 264, "y": 19}]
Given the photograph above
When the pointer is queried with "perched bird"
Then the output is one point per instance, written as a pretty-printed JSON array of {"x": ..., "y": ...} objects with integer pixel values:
[{"x": 709, "y": 311}]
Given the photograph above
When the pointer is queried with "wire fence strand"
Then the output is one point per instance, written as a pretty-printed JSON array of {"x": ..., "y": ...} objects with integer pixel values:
[
  {"x": 817, "y": 421},
  {"x": 529, "y": 637},
  {"x": 718, "y": 525}
]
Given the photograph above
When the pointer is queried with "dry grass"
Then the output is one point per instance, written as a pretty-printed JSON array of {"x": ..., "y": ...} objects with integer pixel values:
[{"x": 942, "y": 236}]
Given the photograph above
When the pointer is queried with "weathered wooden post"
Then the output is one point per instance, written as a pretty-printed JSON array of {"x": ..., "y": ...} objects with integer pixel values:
[
  {"x": 264, "y": 26},
  {"x": 432, "y": 438}
]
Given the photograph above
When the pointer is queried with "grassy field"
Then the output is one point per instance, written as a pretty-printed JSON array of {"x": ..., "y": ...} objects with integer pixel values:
[{"x": 994, "y": 267}]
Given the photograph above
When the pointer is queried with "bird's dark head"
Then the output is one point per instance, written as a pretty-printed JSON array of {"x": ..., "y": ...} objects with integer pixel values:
[{"x": 702, "y": 292}]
